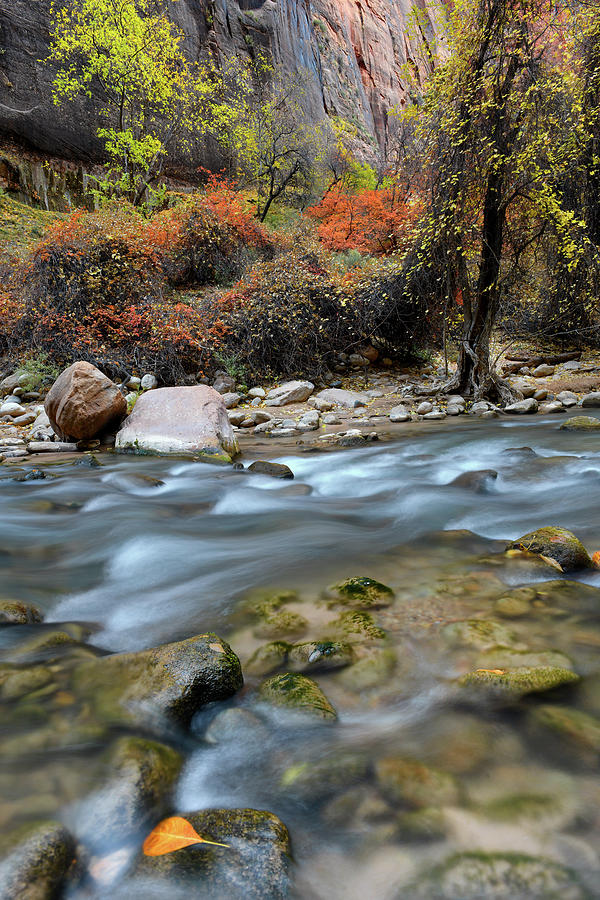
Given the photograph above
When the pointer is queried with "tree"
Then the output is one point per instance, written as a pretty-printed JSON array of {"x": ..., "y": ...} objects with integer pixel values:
[
  {"x": 278, "y": 150},
  {"x": 497, "y": 127},
  {"x": 129, "y": 53}
]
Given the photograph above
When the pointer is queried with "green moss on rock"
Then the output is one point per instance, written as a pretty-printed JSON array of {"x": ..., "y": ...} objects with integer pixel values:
[
  {"x": 578, "y": 728},
  {"x": 268, "y": 658},
  {"x": 363, "y": 593},
  {"x": 557, "y": 544},
  {"x": 515, "y": 683},
  {"x": 581, "y": 423},
  {"x": 498, "y": 876},
  {"x": 281, "y": 624},
  {"x": 13, "y": 612},
  {"x": 356, "y": 623},
  {"x": 422, "y": 825},
  {"x": 297, "y": 692},
  {"x": 314, "y": 656},
  {"x": 508, "y": 657},
  {"x": 479, "y": 633},
  {"x": 35, "y": 861},
  {"x": 254, "y": 865}
]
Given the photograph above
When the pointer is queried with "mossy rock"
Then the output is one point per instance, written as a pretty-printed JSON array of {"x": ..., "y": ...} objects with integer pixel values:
[
  {"x": 422, "y": 825},
  {"x": 254, "y": 865},
  {"x": 357, "y": 808},
  {"x": 511, "y": 684},
  {"x": 557, "y": 544},
  {"x": 45, "y": 645},
  {"x": 13, "y": 612},
  {"x": 171, "y": 681},
  {"x": 268, "y": 658},
  {"x": 372, "y": 669},
  {"x": 356, "y": 623},
  {"x": 362, "y": 592},
  {"x": 265, "y": 603},
  {"x": 571, "y": 596},
  {"x": 297, "y": 692},
  {"x": 413, "y": 784},
  {"x": 317, "y": 780},
  {"x": 516, "y": 808},
  {"x": 318, "y": 656},
  {"x": 498, "y": 876},
  {"x": 581, "y": 423},
  {"x": 141, "y": 776},
  {"x": 35, "y": 861},
  {"x": 578, "y": 728},
  {"x": 16, "y": 683},
  {"x": 479, "y": 633},
  {"x": 282, "y": 624},
  {"x": 516, "y": 604},
  {"x": 509, "y": 658}
]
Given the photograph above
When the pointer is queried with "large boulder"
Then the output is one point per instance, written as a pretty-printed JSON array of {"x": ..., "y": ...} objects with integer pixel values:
[
  {"x": 554, "y": 543},
  {"x": 82, "y": 402},
  {"x": 183, "y": 421},
  {"x": 290, "y": 392},
  {"x": 254, "y": 865},
  {"x": 172, "y": 681}
]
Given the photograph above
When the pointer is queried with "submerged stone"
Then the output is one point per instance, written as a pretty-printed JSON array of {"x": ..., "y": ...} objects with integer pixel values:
[
  {"x": 35, "y": 861},
  {"x": 554, "y": 543},
  {"x": 254, "y": 865},
  {"x": 413, "y": 784},
  {"x": 517, "y": 682},
  {"x": 479, "y": 633},
  {"x": 498, "y": 876},
  {"x": 373, "y": 668},
  {"x": 297, "y": 692},
  {"x": 508, "y": 657},
  {"x": 314, "y": 656},
  {"x": 357, "y": 623},
  {"x": 578, "y": 728},
  {"x": 363, "y": 592},
  {"x": 268, "y": 658},
  {"x": 318, "y": 780},
  {"x": 422, "y": 825}
]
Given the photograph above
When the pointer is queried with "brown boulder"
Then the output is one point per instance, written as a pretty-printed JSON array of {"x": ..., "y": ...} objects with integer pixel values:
[
  {"x": 183, "y": 421},
  {"x": 82, "y": 402}
]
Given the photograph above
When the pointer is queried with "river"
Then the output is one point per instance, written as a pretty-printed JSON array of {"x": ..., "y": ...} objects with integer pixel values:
[{"x": 147, "y": 551}]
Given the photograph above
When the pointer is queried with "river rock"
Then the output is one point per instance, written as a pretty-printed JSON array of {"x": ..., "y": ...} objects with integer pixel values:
[
  {"x": 553, "y": 406},
  {"x": 35, "y": 862},
  {"x": 12, "y": 409},
  {"x": 224, "y": 384},
  {"x": 543, "y": 371},
  {"x": 567, "y": 398},
  {"x": 172, "y": 681},
  {"x": 14, "y": 612},
  {"x": 498, "y": 876},
  {"x": 253, "y": 866},
  {"x": 41, "y": 430},
  {"x": 290, "y": 392},
  {"x": 577, "y": 728},
  {"x": 51, "y": 447},
  {"x": 522, "y": 407},
  {"x": 316, "y": 780},
  {"x": 479, "y": 633},
  {"x": 319, "y": 656},
  {"x": 592, "y": 399},
  {"x": 527, "y": 390},
  {"x": 82, "y": 402},
  {"x": 478, "y": 481},
  {"x": 411, "y": 783},
  {"x": 268, "y": 658},
  {"x": 8, "y": 384},
  {"x": 511, "y": 684},
  {"x": 148, "y": 382},
  {"x": 274, "y": 470},
  {"x": 362, "y": 593},
  {"x": 557, "y": 544},
  {"x": 345, "y": 399},
  {"x": 581, "y": 423},
  {"x": 183, "y": 421},
  {"x": 298, "y": 693},
  {"x": 424, "y": 408},
  {"x": 399, "y": 414},
  {"x": 257, "y": 393},
  {"x": 141, "y": 774},
  {"x": 231, "y": 400}
]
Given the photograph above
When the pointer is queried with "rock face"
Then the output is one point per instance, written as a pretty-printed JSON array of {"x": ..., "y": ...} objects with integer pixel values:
[
  {"x": 184, "y": 421},
  {"x": 353, "y": 52},
  {"x": 82, "y": 402}
]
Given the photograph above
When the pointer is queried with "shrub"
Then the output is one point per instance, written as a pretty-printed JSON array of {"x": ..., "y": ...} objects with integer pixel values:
[
  {"x": 95, "y": 290},
  {"x": 288, "y": 317}
]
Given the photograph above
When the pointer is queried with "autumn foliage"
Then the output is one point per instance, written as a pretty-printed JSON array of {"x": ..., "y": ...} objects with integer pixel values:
[{"x": 376, "y": 221}]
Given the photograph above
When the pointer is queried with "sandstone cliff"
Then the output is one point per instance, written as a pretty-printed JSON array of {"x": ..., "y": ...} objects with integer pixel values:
[{"x": 353, "y": 50}]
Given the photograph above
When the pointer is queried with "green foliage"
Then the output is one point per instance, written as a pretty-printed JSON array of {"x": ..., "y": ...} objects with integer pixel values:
[{"x": 127, "y": 55}]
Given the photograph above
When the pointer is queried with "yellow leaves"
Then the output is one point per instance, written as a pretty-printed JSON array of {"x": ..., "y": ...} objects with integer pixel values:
[{"x": 173, "y": 834}]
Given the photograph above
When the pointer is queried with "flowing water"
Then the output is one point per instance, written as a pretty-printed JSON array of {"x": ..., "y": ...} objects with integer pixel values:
[{"x": 123, "y": 563}]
